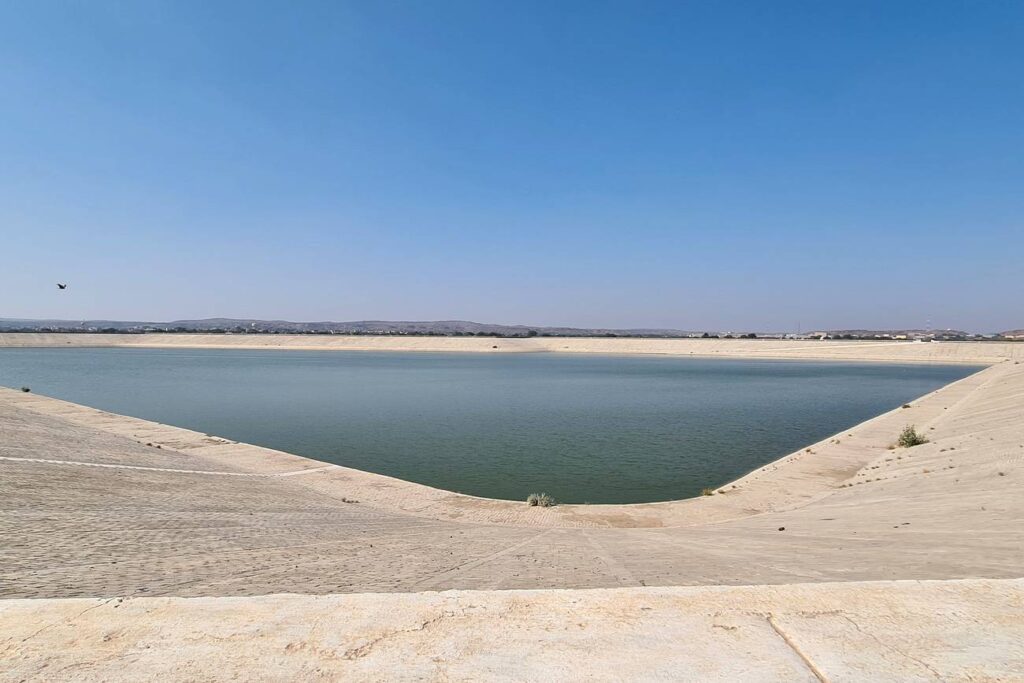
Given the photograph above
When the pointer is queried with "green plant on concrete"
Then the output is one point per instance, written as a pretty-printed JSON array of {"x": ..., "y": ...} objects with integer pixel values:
[
  {"x": 707, "y": 492},
  {"x": 540, "y": 500},
  {"x": 909, "y": 437}
]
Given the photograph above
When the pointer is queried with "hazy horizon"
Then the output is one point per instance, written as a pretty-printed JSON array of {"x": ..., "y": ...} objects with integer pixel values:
[{"x": 739, "y": 166}]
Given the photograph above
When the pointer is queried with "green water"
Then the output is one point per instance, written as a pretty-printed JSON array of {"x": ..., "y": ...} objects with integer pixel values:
[{"x": 599, "y": 429}]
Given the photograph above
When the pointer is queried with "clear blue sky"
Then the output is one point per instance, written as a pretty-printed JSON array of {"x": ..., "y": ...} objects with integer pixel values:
[{"x": 699, "y": 165}]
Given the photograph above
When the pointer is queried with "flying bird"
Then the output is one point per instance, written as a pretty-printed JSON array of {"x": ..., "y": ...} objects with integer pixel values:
[{"x": 62, "y": 285}]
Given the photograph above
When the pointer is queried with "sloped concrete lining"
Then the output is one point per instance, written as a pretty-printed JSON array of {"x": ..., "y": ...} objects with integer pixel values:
[
  {"x": 817, "y": 470},
  {"x": 889, "y": 631},
  {"x": 203, "y": 517}
]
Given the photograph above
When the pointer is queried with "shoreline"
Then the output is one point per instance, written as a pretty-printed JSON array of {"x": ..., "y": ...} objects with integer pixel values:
[
  {"x": 778, "y": 357},
  {"x": 947, "y": 353}
]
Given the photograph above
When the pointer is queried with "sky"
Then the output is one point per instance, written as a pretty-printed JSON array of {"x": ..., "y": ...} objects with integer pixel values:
[{"x": 693, "y": 165}]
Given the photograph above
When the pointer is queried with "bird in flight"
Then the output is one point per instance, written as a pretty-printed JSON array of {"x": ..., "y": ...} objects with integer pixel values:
[{"x": 61, "y": 285}]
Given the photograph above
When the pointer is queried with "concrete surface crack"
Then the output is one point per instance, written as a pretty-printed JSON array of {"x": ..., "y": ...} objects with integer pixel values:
[
  {"x": 366, "y": 648},
  {"x": 453, "y": 571},
  {"x": 622, "y": 575},
  {"x": 891, "y": 647},
  {"x": 66, "y": 619},
  {"x": 796, "y": 649}
]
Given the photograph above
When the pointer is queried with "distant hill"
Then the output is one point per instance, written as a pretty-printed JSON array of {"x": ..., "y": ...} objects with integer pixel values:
[
  {"x": 1018, "y": 334},
  {"x": 245, "y": 325}
]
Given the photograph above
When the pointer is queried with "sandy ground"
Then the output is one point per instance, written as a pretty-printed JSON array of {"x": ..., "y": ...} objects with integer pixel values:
[{"x": 102, "y": 506}]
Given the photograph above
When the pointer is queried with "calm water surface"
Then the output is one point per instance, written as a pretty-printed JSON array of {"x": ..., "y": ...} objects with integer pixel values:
[{"x": 599, "y": 429}]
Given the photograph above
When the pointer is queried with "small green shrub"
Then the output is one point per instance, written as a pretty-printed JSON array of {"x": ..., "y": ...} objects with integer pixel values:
[
  {"x": 909, "y": 437},
  {"x": 540, "y": 500},
  {"x": 707, "y": 492}
]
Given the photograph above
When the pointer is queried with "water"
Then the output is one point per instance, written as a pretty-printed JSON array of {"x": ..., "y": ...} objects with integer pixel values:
[{"x": 599, "y": 429}]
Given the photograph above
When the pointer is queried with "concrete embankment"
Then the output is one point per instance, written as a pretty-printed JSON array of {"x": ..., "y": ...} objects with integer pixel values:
[{"x": 134, "y": 550}]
